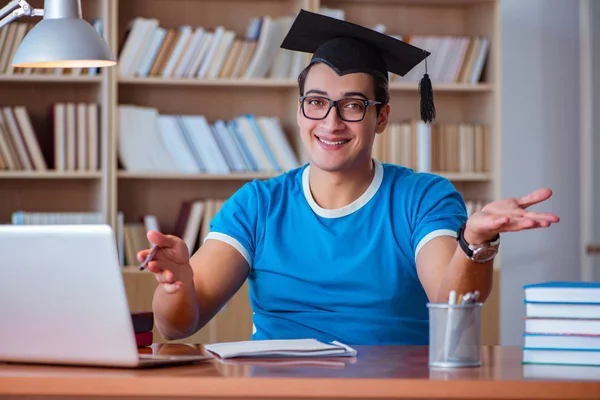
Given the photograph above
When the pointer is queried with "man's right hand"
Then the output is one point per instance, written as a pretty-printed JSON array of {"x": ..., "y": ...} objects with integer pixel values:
[{"x": 171, "y": 263}]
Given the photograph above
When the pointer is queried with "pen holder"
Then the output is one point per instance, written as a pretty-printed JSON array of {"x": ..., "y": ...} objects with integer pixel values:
[{"x": 454, "y": 335}]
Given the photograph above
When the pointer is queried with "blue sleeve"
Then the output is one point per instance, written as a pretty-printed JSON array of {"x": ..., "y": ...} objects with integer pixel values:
[
  {"x": 235, "y": 222},
  {"x": 438, "y": 210}
]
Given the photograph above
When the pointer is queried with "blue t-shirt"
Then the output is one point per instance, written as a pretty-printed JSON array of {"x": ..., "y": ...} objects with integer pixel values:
[{"x": 347, "y": 274}]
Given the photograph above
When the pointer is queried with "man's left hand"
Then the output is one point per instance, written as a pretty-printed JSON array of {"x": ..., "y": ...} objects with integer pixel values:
[{"x": 508, "y": 215}]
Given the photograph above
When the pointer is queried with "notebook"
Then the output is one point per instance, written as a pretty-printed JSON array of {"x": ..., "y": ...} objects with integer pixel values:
[{"x": 281, "y": 348}]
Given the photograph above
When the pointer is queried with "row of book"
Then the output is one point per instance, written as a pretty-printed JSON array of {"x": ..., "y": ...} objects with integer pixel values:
[
  {"x": 149, "y": 141},
  {"x": 198, "y": 52},
  {"x": 436, "y": 147},
  {"x": 202, "y": 53},
  {"x": 19, "y": 146},
  {"x": 562, "y": 323},
  {"x": 12, "y": 35},
  {"x": 74, "y": 143},
  {"x": 453, "y": 59}
]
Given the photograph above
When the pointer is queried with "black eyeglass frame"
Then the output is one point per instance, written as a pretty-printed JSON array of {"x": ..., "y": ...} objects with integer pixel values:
[{"x": 334, "y": 103}]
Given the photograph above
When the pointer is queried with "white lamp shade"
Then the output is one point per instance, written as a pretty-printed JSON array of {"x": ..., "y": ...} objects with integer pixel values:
[{"x": 63, "y": 43}]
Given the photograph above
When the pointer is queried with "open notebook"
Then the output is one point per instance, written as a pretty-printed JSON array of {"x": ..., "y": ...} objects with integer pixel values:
[{"x": 281, "y": 348}]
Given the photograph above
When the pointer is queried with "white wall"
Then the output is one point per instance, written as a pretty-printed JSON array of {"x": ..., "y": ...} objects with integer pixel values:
[{"x": 540, "y": 146}]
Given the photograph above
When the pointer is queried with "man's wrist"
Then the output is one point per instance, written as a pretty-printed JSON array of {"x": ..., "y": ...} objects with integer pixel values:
[{"x": 477, "y": 238}]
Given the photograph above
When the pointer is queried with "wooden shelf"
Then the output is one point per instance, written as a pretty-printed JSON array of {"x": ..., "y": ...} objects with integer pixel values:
[
  {"x": 6, "y": 78},
  {"x": 261, "y": 83},
  {"x": 49, "y": 175},
  {"x": 288, "y": 83},
  {"x": 443, "y": 87},
  {"x": 193, "y": 177}
]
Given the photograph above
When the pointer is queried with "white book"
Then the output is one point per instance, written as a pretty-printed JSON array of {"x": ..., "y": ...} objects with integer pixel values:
[
  {"x": 573, "y": 342},
  {"x": 175, "y": 144},
  {"x": 205, "y": 143},
  {"x": 214, "y": 45},
  {"x": 187, "y": 57},
  {"x": 562, "y": 310},
  {"x": 185, "y": 32},
  {"x": 93, "y": 145},
  {"x": 198, "y": 59},
  {"x": 143, "y": 67},
  {"x": 281, "y": 348},
  {"x": 82, "y": 137},
  {"x": 573, "y": 357},
  {"x": 149, "y": 25},
  {"x": 221, "y": 53},
  {"x": 132, "y": 43},
  {"x": 71, "y": 136}
]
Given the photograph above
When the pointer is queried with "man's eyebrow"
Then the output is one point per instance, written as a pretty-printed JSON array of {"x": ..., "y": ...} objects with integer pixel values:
[
  {"x": 349, "y": 94},
  {"x": 317, "y": 91},
  {"x": 346, "y": 94}
]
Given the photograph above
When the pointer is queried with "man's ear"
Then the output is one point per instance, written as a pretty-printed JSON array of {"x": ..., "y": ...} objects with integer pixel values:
[{"x": 382, "y": 119}]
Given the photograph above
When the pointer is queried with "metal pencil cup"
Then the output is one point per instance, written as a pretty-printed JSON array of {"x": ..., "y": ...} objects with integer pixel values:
[{"x": 454, "y": 335}]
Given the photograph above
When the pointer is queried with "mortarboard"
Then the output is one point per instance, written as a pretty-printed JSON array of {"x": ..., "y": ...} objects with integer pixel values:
[{"x": 348, "y": 48}]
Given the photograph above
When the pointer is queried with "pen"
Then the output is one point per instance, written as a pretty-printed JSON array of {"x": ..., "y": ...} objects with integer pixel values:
[
  {"x": 149, "y": 258},
  {"x": 449, "y": 325}
]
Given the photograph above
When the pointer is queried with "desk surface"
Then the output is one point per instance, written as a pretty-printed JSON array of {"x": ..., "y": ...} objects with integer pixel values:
[{"x": 376, "y": 373}]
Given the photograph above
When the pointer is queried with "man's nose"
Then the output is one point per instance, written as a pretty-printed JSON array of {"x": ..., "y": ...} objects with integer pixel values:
[{"x": 332, "y": 122}]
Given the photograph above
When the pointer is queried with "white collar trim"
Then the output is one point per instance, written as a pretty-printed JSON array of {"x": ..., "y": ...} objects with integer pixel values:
[{"x": 350, "y": 208}]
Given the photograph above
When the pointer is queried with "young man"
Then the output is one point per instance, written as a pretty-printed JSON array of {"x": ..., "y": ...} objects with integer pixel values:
[{"x": 344, "y": 248}]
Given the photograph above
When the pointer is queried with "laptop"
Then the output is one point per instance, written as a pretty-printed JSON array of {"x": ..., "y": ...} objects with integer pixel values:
[{"x": 63, "y": 300}]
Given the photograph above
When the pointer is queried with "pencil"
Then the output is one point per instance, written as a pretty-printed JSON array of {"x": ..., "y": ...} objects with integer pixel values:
[{"x": 149, "y": 258}]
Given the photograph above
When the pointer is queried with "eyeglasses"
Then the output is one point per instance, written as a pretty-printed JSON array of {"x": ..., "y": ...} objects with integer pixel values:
[{"x": 348, "y": 109}]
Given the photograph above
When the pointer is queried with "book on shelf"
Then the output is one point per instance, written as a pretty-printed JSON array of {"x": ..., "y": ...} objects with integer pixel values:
[
  {"x": 151, "y": 50},
  {"x": 562, "y": 323},
  {"x": 55, "y": 218},
  {"x": 198, "y": 52},
  {"x": 75, "y": 128},
  {"x": 19, "y": 146},
  {"x": 153, "y": 142},
  {"x": 454, "y": 59},
  {"x": 436, "y": 147},
  {"x": 12, "y": 35},
  {"x": 74, "y": 144}
]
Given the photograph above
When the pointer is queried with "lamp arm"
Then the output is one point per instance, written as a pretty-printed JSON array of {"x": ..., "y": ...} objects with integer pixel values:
[{"x": 24, "y": 9}]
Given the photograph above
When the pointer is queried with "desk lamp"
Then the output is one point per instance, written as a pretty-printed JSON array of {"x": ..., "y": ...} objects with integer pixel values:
[{"x": 61, "y": 40}]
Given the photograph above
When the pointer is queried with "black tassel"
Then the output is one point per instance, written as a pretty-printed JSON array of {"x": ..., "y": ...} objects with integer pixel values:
[
  {"x": 426, "y": 90},
  {"x": 427, "y": 106}
]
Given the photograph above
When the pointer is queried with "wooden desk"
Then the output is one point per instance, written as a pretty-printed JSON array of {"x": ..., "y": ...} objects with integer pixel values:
[{"x": 376, "y": 373}]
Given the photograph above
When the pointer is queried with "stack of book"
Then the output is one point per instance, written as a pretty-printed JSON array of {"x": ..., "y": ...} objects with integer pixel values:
[
  {"x": 562, "y": 324},
  {"x": 143, "y": 322}
]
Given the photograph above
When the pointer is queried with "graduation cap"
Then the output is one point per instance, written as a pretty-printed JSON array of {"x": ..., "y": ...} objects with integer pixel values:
[{"x": 348, "y": 48}]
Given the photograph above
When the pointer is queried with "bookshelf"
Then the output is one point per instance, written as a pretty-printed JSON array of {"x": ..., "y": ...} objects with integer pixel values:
[{"x": 112, "y": 190}]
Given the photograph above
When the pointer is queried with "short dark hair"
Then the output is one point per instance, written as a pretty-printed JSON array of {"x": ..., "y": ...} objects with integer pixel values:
[{"x": 380, "y": 86}]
